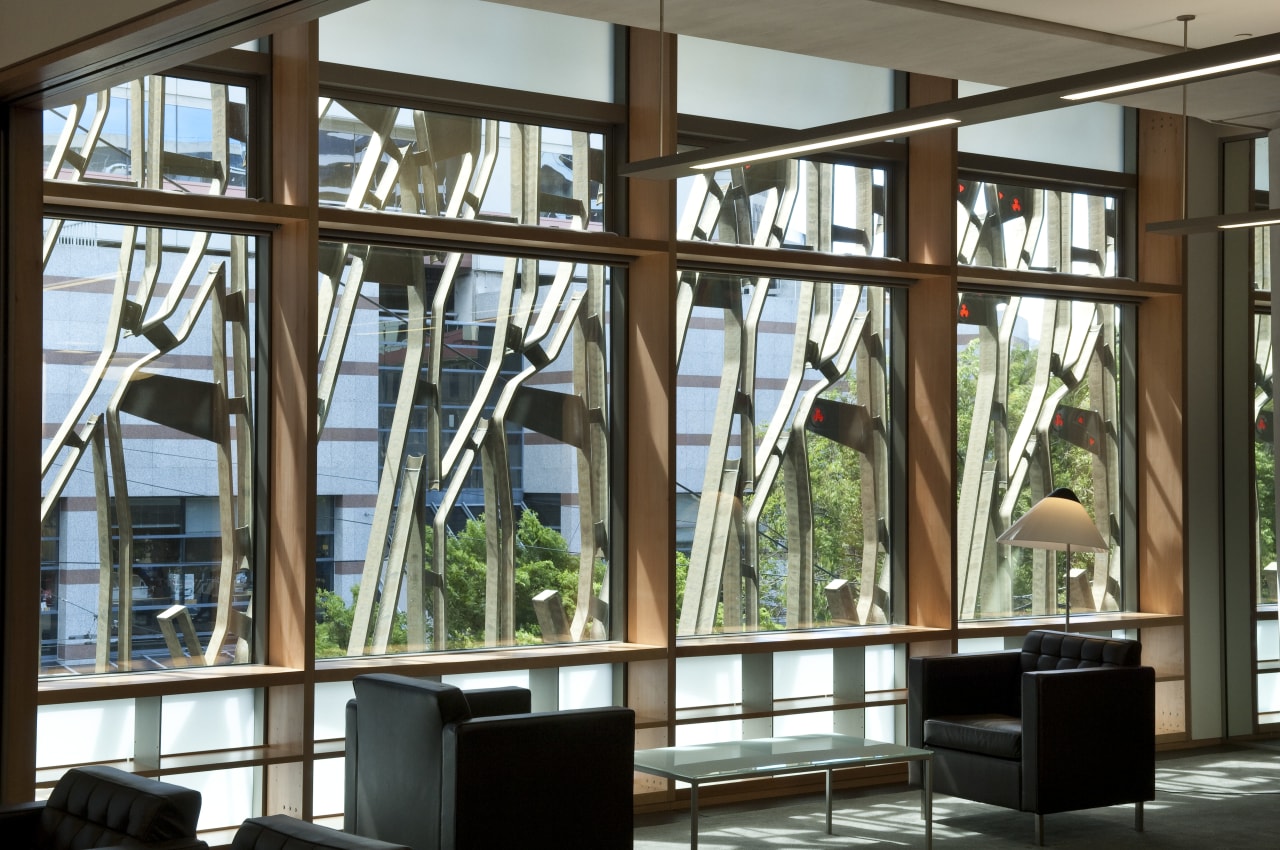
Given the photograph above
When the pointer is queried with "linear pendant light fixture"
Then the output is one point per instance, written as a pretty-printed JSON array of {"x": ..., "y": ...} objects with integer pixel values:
[
  {"x": 808, "y": 147},
  {"x": 1146, "y": 75},
  {"x": 1180, "y": 77}
]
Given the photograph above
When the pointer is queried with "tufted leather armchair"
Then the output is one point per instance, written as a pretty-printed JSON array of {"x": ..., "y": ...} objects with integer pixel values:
[
  {"x": 281, "y": 832},
  {"x": 1065, "y": 723},
  {"x": 102, "y": 806}
]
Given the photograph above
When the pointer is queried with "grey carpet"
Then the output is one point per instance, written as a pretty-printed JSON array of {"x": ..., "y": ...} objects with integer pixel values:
[{"x": 1224, "y": 797}]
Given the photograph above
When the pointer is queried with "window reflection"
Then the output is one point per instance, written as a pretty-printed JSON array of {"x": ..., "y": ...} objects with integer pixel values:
[
  {"x": 464, "y": 415},
  {"x": 782, "y": 454},
  {"x": 1037, "y": 407}
]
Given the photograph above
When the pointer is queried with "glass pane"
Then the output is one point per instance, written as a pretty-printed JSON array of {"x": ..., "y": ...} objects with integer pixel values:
[
  {"x": 148, "y": 450},
  {"x": 713, "y": 680},
  {"x": 804, "y": 673},
  {"x": 1037, "y": 394},
  {"x": 1261, "y": 236},
  {"x": 475, "y": 42},
  {"x": 463, "y": 443},
  {"x": 782, "y": 483},
  {"x": 1264, "y": 460},
  {"x": 331, "y": 709},
  {"x": 211, "y": 721},
  {"x": 104, "y": 732},
  {"x": 1007, "y": 226},
  {"x": 227, "y": 796},
  {"x": 1089, "y": 135},
  {"x": 328, "y": 787},
  {"x": 834, "y": 208},
  {"x": 405, "y": 160},
  {"x": 167, "y": 133},
  {"x": 588, "y": 686},
  {"x": 809, "y": 723},
  {"x": 718, "y": 79}
]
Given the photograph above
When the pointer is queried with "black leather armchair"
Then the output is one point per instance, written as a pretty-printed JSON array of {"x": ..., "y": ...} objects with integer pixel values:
[
  {"x": 436, "y": 768},
  {"x": 281, "y": 832},
  {"x": 102, "y": 806},
  {"x": 1065, "y": 723}
]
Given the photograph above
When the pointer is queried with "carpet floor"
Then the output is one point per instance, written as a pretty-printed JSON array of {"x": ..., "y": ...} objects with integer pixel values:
[{"x": 1224, "y": 797}]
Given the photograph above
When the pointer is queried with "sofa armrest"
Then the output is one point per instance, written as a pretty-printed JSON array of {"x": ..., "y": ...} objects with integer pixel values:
[
  {"x": 534, "y": 763},
  {"x": 20, "y": 823},
  {"x": 1088, "y": 737},
  {"x": 943, "y": 685},
  {"x": 488, "y": 702}
]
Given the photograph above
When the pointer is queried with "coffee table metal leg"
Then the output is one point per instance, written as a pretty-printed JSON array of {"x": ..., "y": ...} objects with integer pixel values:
[
  {"x": 693, "y": 816},
  {"x": 829, "y": 802},
  {"x": 926, "y": 802}
]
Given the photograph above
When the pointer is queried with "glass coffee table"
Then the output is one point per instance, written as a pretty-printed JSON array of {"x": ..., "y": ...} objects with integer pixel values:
[{"x": 697, "y": 764}]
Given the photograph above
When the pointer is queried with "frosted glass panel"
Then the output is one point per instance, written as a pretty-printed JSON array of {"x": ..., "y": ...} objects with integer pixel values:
[
  {"x": 802, "y": 674},
  {"x": 587, "y": 686},
  {"x": 327, "y": 795},
  {"x": 331, "y": 709},
  {"x": 1268, "y": 693},
  {"x": 1090, "y": 135},
  {"x": 708, "y": 681},
  {"x": 804, "y": 724},
  {"x": 84, "y": 732},
  {"x": 881, "y": 668},
  {"x": 1268, "y": 641},
  {"x": 227, "y": 795},
  {"x": 211, "y": 721},
  {"x": 988, "y": 644},
  {"x": 740, "y": 83},
  {"x": 707, "y": 733},
  {"x": 475, "y": 42},
  {"x": 498, "y": 679},
  {"x": 882, "y": 723},
  {"x": 1262, "y": 164}
]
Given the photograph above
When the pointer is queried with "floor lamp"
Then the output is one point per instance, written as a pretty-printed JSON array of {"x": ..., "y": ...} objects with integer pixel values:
[{"x": 1056, "y": 522}]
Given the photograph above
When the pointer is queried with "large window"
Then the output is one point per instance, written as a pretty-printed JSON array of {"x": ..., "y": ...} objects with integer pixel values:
[
  {"x": 1040, "y": 396},
  {"x": 465, "y": 425},
  {"x": 415, "y": 161},
  {"x": 147, "y": 464},
  {"x": 1264, "y": 464},
  {"x": 1035, "y": 228},
  {"x": 158, "y": 132},
  {"x": 783, "y": 454},
  {"x": 835, "y": 208}
]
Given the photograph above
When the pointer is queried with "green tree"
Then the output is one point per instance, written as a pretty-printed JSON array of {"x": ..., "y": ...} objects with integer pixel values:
[
  {"x": 1071, "y": 465},
  {"x": 333, "y": 624},
  {"x": 543, "y": 562}
]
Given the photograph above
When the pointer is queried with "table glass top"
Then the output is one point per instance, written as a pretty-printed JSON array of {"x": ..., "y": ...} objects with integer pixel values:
[{"x": 770, "y": 756}]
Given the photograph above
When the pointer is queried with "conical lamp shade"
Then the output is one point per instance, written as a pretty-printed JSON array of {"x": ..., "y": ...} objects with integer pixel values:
[{"x": 1057, "y": 521}]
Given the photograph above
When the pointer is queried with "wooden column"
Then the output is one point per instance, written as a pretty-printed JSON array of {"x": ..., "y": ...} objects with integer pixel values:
[
  {"x": 1161, "y": 371},
  {"x": 651, "y": 388},
  {"x": 931, "y": 353},
  {"x": 1160, "y": 425},
  {"x": 21, "y": 341},
  {"x": 291, "y": 450}
]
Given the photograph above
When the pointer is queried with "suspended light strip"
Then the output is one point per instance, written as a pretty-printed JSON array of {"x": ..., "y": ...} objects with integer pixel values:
[
  {"x": 1236, "y": 225},
  {"x": 827, "y": 144},
  {"x": 1168, "y": 79}
]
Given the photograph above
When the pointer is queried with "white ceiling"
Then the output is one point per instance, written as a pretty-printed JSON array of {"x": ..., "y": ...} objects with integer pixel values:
[{"x": 998, "y": 42}]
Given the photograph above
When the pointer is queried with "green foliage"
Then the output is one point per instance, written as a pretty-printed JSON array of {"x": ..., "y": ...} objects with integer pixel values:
[
  {"x": 542, "y": 562},
  {"x": 333, "y": 624},
  {"x": 1264, "y": 473},
  {"x": 1070, "y": 465}
]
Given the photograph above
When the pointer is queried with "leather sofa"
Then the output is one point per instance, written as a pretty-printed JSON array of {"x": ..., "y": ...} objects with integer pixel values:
[
  {"x": 436, "y": 768},
  {"x": 281, "y": 832},
  {"x": 1065, "y": 723},
  {"x": 103, "y": 806}
]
